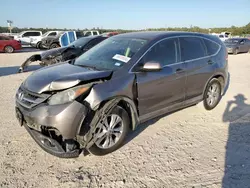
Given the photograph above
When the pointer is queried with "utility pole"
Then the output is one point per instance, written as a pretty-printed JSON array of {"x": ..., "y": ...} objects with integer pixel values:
[{"x": 9, "y": 22}]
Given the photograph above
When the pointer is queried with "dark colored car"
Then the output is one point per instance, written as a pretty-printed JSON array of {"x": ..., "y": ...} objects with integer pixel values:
[
  {"x": 9, "y": 45},
  {"x": 53, "y": 41},
  {"x": 66, "y": 53},
  {"x": 237, "y": 45},
  {"x": 92, "y": 102}
]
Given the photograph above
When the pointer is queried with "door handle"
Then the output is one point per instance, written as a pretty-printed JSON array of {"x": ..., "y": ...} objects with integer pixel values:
[
  {"x": 179, "y": 70},
  {"x": 210, "y": 62}
]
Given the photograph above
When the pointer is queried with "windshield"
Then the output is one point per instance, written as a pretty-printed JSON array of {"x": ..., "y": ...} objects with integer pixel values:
[
  {"x": 45, "y": 33},
  {"x": 111, "y": 54},
  {"x": 81, "y": 42},
  {"x": 232, "y": 41}
]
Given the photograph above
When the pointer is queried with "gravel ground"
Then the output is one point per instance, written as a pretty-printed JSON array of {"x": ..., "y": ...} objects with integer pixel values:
[{"x": 189, "y": 148}]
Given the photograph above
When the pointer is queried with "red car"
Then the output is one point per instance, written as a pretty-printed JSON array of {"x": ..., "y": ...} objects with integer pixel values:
[
  {"x": 8, "y": 44},
  {"x": 110, "y": 34}
]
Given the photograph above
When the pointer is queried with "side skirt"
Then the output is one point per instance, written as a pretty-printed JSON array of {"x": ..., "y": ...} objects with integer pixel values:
[{"x": 171, "y": 108}]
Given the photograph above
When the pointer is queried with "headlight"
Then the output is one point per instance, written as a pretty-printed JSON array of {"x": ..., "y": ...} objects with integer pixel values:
[{"x": 68, "y": 95}]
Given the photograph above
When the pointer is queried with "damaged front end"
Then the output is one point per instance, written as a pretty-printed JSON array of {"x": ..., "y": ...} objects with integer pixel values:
[{"x": 46, "y": 58}]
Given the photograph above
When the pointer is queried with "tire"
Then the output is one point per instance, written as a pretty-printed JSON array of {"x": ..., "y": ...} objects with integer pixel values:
[
  {"x": 54, "y": 45},
  {"x": 211, "y": 104},
  {"x": 117, "y": 111},
  {"x": 236, "y": 51},
  {"x": 38, "y": 45},
  {"x": 9, "y": 49}
]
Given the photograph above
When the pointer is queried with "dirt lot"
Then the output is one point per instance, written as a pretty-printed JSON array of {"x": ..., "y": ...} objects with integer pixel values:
[{"x": 189, "y": 148}]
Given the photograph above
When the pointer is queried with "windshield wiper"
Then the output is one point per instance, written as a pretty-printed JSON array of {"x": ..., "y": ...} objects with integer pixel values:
[{"x": 88, "y": 66}]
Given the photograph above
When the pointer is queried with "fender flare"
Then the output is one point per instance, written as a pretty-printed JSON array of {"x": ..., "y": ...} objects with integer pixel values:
[{"x": 209, "y": 80}]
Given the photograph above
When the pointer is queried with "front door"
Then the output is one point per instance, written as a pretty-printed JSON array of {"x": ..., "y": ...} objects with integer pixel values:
[
  {"x": 159, "y": 90},
  {"x": 26, "y": 38}
]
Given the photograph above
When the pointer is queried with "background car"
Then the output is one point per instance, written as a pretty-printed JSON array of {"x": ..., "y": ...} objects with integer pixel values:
[
  {"x": 63, "y": 38},
  {"x": 109, "y": 34},
  {"x": 8, "y": 44},
  {"x": 37, "y": 41},
  {"x": 27, "y": 36},
  {"x": 237, "y": 45},
  {"x": 69, "y": 52}
]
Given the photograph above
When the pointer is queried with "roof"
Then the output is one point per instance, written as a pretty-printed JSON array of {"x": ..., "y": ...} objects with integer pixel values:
[{"x": 150, "y": 35}]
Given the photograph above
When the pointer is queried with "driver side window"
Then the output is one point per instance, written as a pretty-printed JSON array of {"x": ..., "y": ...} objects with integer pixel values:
[{"x": 164, "y": 52}]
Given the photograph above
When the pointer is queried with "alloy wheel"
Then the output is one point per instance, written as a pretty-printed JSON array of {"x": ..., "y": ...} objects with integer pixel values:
[
  {"x": 109, "y": 131},
  {"x": 213, "y": 94}
]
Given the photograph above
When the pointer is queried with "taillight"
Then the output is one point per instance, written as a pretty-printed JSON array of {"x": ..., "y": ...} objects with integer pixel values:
[{"x": 226, "y": 55}]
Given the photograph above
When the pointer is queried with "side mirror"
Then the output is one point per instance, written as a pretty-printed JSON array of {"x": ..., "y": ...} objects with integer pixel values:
[
  {"x": 151, "y": 66},
  {"x": 242, "y": 42}
]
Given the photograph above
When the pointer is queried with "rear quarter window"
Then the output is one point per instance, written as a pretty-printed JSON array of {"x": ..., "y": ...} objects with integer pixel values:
[
  {"x": 192, "y": 48},
  {"x": 212, "y": 47}
]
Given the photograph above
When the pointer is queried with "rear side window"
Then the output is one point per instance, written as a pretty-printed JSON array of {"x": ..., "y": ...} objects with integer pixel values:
[
  {"x": 191, "y": 48},
  {"x": 95, "y": 33},
  {"x": 164, "y": 52},
  {"x": 52, "y": 34},
  {"x": 212, "y": 47}
]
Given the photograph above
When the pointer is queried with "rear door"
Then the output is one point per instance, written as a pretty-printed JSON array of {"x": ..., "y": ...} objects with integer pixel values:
[
  {"x": 199, "y": 65},
  {"x": 161, "y": 89}
]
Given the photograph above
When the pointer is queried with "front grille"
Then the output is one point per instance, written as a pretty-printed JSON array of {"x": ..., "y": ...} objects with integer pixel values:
[{"x": 29, "y": 99}]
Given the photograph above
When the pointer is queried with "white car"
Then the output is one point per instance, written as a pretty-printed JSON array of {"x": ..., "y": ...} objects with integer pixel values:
[
  {"x": 36, "y": 42},
  {"x": 26, "y": 37},
  {"x": 90, "y": 33}
]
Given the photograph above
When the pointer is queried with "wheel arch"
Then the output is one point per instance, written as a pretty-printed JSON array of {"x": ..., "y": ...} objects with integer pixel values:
[
  {"x": 220, "y": 77},
  {"x": 127, "y": 104},
  {"x": 10, "y": 46}
]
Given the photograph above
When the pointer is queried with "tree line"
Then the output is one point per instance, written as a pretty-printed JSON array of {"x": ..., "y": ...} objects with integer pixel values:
[{"x": 241, "y": 31}]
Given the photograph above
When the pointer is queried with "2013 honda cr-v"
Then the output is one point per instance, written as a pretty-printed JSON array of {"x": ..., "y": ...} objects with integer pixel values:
[{"x": 92, "y": 102}]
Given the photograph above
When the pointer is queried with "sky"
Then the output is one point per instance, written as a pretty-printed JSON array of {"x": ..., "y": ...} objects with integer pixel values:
[{"x": 125, "y": 14}]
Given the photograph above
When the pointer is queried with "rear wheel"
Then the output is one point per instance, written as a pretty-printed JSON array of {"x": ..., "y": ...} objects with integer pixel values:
[
  {"x": 8, "y": 49},
  {"x": 54, "y": 45},
  {"x": 212, "y": 94},
  {"x": 111, "y": 132}
]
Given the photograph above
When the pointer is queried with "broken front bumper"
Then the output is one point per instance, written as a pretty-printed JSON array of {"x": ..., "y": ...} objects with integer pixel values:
[{"x": 64, "y": 119}]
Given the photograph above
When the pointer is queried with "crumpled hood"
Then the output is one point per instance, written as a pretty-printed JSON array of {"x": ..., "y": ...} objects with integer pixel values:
[
  {"x": 53, "y": 52},
  {"x": 61, "y": 76}
]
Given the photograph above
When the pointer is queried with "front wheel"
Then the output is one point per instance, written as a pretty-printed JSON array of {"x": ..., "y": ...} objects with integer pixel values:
[
  {"x": 111, "y": 132},
  {"x": 39, "y": 45},
  {"x": 212, "y": 94},
  {"x": 236, "y": 51}
]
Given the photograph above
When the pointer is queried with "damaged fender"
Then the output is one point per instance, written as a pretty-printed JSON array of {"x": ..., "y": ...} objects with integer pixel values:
[{"x": 104, "y": 97}]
